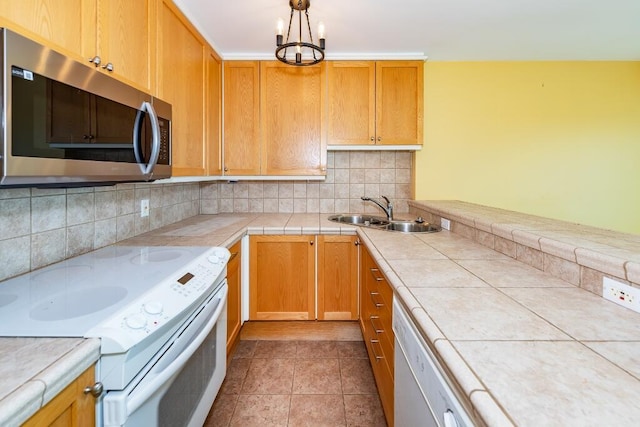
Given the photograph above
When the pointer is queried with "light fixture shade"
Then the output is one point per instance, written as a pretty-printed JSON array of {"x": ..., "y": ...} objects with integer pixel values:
[{"x": 303, "y": 51}]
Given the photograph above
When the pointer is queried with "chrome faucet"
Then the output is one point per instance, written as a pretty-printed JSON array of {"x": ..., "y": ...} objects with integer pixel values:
[{"x": 387, "y": 210}]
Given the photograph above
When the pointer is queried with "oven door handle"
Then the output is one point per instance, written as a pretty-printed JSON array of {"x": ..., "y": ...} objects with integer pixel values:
[{"x": 161, "y": 375}]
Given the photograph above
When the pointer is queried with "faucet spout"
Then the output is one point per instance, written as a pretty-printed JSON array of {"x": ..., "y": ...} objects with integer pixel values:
[{"x": 388, "y": 209}]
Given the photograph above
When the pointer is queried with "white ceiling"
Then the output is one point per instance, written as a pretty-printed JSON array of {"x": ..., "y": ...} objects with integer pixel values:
[{"x": 440, "y": 30}]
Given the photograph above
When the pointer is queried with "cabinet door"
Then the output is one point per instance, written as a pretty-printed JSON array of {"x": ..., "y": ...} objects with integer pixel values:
[
  {"x": 242, "y": 118},
  {"x": 292, "y": 118},
  {"x": 56, "y": 23},
  {"x": 123, "y": 39},
  {"x": 181, "y": 83},
  {"x": 234, "y": 299},
  {"x": 351, "y": 102},
  {"x": 337, "y": 277},
  {"x": 281, "y": 278},
  {"x": 399, "y": 102},
  {"x": 213, "y": 114},
  {"x": 70, "y": 408}
]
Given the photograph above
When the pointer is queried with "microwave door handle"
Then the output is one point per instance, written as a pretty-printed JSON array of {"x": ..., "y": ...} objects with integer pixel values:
[
  {"x": 136, "y": 140},
  {"x": 155, "y": 135},
  {"x": 140, "y": 396}
]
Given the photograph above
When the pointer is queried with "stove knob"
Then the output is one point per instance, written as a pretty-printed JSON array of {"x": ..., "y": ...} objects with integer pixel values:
[
  {"x": 214, "y": 259},
  {"x": 153, "y": 307},
  {"x": 136, "y": 321},
  {"x": 221, "y": 253}
]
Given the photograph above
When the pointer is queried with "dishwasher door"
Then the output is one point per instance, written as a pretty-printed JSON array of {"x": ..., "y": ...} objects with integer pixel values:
[
  {"x": 411, "y": 407},
  {"x": 422, "y": 395}
]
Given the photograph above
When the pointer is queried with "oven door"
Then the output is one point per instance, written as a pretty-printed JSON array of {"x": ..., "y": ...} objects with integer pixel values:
[{"x": 177, "y": 387}]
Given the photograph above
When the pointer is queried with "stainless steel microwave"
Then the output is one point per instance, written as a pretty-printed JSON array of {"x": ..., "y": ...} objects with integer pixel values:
[{"x": 67, "y": 124}]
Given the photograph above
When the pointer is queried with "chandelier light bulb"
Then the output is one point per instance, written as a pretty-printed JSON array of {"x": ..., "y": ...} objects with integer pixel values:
[
  {"x": 280, "y": 27},
  {"x": 321, "y": 30}
]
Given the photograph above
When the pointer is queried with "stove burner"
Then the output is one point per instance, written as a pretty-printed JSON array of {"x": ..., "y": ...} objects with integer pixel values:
[
  {"x": 115, "y": 252},
  {"x": 77, "y": 303},
  {"x": 62, "y": 274},
  {"x": 6, "y": 299},
  {"x": 159, "y": 255}
]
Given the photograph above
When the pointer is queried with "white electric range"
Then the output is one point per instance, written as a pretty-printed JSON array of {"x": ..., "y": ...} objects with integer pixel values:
[{"x": 157, "y": 311}]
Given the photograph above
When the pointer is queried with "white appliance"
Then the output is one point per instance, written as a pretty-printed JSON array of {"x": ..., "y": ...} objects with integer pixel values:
[
  {"x": 160, "y": 313},
  {"x": 422, "y": 396}
]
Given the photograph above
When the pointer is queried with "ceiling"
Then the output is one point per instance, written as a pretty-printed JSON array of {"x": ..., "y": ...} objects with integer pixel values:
[{"x": 440, "y": 30}]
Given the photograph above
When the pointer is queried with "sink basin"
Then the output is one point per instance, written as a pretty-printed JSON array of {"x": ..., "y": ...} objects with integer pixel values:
[
  {"x": 384, "y": 224},
  {"x": 411, "y": 227},
  {"x": 366, "y": 220}
]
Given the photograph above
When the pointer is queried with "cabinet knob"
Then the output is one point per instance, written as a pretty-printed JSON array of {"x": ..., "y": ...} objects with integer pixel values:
[
  {"x": 226, "y": 169},
  {"x": 311, "y": 242},
  {"x": 379, "y": 138},
  {"x": 108, "y": 67},
  {"x": 95, "y": 390},
  {"x": 357, "y": 243},
  {"x": 372, "y": 139},
  {"x": 95, "y": 60}
]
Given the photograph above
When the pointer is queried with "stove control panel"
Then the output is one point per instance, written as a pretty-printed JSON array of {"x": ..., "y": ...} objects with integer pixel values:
[{"x": 164, "y": 307}]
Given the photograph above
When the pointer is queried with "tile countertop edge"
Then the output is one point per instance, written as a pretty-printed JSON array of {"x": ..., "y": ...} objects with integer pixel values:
[
  {"x": 20, "y": 405},
  {"x": 608, "y": 261},
  {"x": 460, "y": 377}
]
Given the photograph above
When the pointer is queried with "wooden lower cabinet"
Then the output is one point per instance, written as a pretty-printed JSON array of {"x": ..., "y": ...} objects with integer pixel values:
[
  {"x": 337, "y": 277},
  {"x": 234, "y": 298},
  {"x": 71, "y": 407},
  {"x": 282, "y": 277},
  {"x": 376, "y": 299}
]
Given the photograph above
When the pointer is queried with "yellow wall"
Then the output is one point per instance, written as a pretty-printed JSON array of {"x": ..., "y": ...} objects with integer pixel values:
[{"x": 556, "y": 139}]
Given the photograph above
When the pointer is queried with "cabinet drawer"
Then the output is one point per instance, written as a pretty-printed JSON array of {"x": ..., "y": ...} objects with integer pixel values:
[{"x": 376, "y": 282}]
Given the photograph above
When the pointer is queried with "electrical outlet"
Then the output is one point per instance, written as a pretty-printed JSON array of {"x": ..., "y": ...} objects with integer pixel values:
[
  {"x": 445, "y": 223},
  {"x": 622, "y": 294},
  {"x": 144, "y": 208}
]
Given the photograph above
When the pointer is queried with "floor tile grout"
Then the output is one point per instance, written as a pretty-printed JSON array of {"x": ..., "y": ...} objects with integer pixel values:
[{"x": 362, "y": 407}]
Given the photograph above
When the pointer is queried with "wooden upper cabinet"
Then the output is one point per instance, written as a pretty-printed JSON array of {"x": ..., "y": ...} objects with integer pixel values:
[
  {"x": 242, "y": 118},
  {"x": 124, "y": 33},
  {"x": 55, "y": 23},
  {"x": 118, "y": 31},
  {"x": 213, "y": 114},
  {"x": 292, "y": 119},
  {"x": 181, "y": 82},
  {"x": 351, "y": 102},
  {"x": 375, "y": 102},
  {"x": 399, "y": 102}
]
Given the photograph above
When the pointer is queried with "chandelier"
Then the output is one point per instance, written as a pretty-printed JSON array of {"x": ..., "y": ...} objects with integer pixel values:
[{"x": 306, "y": 52}]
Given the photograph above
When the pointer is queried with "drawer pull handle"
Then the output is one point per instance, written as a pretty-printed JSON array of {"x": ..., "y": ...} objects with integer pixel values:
[
  {"x": 375, "y": 329},
  {"x": 377, "y": 277},
  {"x": 373, "y": 349},
  {"x": 373, "y": 299}
]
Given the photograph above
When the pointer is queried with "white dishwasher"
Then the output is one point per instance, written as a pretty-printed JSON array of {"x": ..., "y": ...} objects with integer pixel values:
[{"x": 422, "y": 397}]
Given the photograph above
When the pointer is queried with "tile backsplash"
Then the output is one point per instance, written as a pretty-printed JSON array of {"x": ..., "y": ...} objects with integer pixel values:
[
  {"x": 350, "y": 175},
  {"x": 39, "y": 227}
]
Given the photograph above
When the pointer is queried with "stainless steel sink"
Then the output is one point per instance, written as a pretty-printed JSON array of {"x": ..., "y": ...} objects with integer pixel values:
[
  {"x": 411, "y": 227},
  {"x": 363, "y": 220},
  {"x": 384, "y": 224}
]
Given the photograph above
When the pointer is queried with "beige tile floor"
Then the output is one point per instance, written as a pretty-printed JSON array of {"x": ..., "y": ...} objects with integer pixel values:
[{"x": 298, "y": 383}]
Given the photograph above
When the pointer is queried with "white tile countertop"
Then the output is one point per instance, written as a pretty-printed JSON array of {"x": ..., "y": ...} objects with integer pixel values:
[
  {"x": 34, "y": 370},
  {"x": 508, "y": 302}
]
